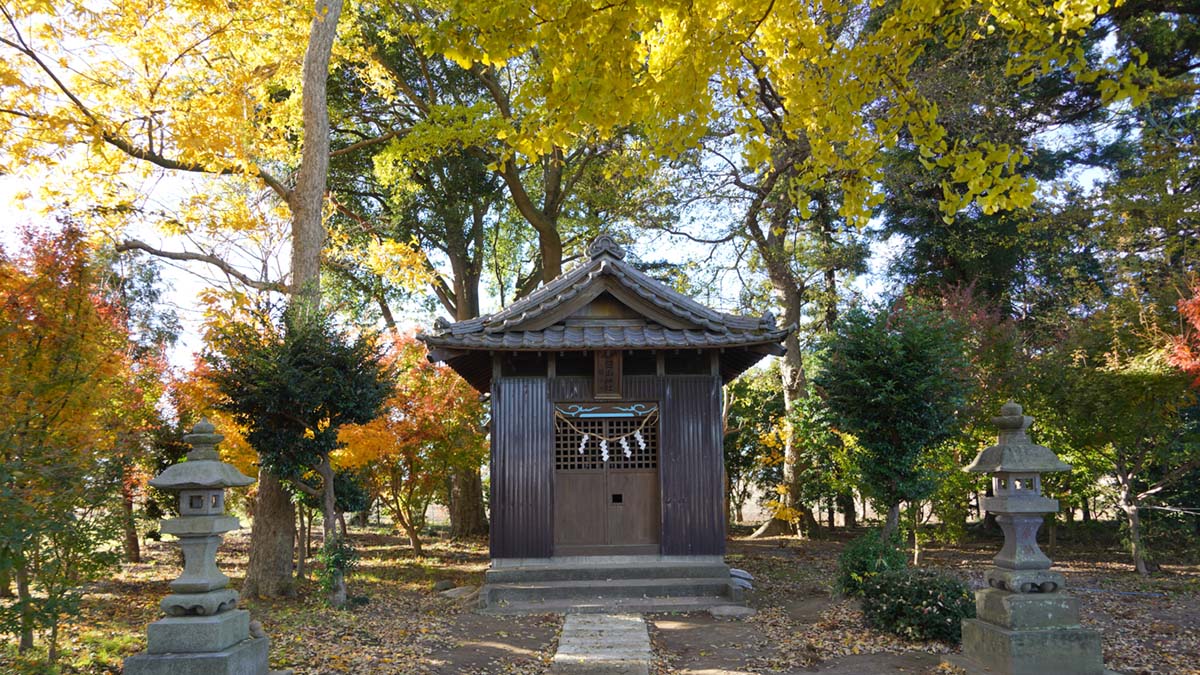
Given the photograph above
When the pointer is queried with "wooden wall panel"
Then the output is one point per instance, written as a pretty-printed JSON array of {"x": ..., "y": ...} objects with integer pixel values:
[
  {"x": 522, "y": 468},
  {"x": 691, "y": 466}
]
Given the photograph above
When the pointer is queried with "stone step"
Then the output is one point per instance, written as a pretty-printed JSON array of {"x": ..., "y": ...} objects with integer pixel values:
[
  {"x": 674, "y": 605},
  {"x": 603, "y": 644},
  {"x": 535, "y": 573},
  {"x": 601, "y": 589}
]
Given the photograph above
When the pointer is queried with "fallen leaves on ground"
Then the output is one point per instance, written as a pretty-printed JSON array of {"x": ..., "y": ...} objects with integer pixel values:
[
  {"x": 1150, "y": 627},
  {"x": 397, "y": 624}
]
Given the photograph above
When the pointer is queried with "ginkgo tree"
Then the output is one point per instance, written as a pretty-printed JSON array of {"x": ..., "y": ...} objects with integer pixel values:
[
  {"x": 432, "y": 425},
  {"x": 802, "y": 101},
  {"x": 228, "y": 99},
  {"x": 839, "y": 69}
]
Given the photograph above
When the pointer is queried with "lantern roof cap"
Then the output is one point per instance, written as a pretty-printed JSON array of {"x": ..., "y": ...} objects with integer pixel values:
[
  {"x": 1014, "y": 452},
  {"x": 203, "y": 469}
]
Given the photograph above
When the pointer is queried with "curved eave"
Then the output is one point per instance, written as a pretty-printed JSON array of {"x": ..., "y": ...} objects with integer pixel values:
[
  {"x": 578, "y": 338},
  {"x": 474, "y": 364}
]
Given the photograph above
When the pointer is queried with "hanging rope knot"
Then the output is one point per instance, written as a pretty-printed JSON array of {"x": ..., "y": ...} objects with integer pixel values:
[{"x": 623, "y": 439}]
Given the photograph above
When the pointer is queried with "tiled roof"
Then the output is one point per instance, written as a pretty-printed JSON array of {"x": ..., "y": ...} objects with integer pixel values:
[
  {"x": 523, "y": 324},
  {"x": 603, "y": 337}
]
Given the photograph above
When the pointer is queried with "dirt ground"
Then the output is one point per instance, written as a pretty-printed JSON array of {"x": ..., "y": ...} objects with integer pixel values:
[
  {"x": 398, "y": 625},
  {"x": 1150, "y": 627}
]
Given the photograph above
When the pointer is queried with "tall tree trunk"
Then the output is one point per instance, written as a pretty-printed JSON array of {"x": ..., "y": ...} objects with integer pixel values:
[
  {"x": 789, "y": 292},
  {"x": 1087, "y": 511},
  {"x": 270, "y": 570},
  {"x": 845, "y": 501},
  {"x": 133, "y": 549},
  {"x": 916, "y": 518},
  {"x": 543, "y": 219},
  {"x": 1133, "y": 518},
  {"x": 308, "y": 534},
  {"x": 301, "y": 545},
  {"x": 467, "y": 517},
  {"x": 795, "y": 388},
  {"x": 308, "y": 197},
  {"x": 892, "y": 524},
  {"x": 272, "y": 534},
  {"x": 52, "y": 642},
  {"x": 26, "y": 600}
]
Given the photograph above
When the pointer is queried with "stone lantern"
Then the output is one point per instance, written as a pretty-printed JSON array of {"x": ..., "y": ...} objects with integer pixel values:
[
  {"x": 1026, "y": 624},
  {"x": 203, "y": 632}
]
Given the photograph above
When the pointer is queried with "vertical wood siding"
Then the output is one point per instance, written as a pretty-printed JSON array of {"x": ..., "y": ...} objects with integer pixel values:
[
  {"x": 690, "y": 467},
  {"x": 522, "y": 469}
]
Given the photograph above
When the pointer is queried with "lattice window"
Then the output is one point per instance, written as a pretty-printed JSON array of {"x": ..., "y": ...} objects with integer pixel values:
[
  {"x": 638, "y": 458},
  {"x": 569, "y": 441}
]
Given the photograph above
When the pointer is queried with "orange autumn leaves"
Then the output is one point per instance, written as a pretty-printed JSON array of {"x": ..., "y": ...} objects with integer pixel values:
[
  {"x": 434, "y": 417},
  {"x": 432, "y": 424},
  {"x": 196, "y": 395},
  {"x": 69, "y": 387}
]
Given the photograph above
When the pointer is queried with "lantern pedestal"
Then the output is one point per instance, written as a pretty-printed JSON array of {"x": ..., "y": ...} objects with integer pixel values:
[
  {"x": 1025, "y": 624},
  {"x": 198, "y": 634}
]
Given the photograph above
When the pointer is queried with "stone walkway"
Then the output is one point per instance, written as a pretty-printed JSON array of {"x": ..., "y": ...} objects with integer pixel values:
[{"x": 603, "y": 644}]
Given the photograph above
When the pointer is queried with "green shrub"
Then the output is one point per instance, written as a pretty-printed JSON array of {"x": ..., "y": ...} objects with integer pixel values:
[
  {"x": 865, "y": 557},
  {"x": 336, "y": 555},
  {"x": 918, "y": 604}
]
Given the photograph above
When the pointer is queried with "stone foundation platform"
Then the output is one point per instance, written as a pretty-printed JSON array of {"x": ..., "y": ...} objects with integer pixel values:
[
  {"x": 248, "y": 657},
  {"x": 1045, "y": 651}
]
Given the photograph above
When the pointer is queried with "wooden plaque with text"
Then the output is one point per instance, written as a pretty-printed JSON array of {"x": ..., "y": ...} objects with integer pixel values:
[{"x": 607, "y": 382}]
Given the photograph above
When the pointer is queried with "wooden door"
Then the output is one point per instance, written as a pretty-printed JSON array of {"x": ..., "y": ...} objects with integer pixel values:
[{"x": 606, "y": 506}]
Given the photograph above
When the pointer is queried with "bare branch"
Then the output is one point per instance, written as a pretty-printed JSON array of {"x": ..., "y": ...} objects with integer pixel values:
[
  {"x": 1166, "y": 480},
  {"x": 229, "y": 270},
  {"x": 367, "y": 143}
]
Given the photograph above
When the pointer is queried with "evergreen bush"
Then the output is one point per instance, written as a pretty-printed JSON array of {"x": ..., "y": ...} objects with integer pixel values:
[
  {"x": 917, "y": 604},
  {"x": 865, "y": 557}
]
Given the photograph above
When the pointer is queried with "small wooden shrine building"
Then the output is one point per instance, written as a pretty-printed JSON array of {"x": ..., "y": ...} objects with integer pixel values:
[{"x": 606, "y": 412}]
